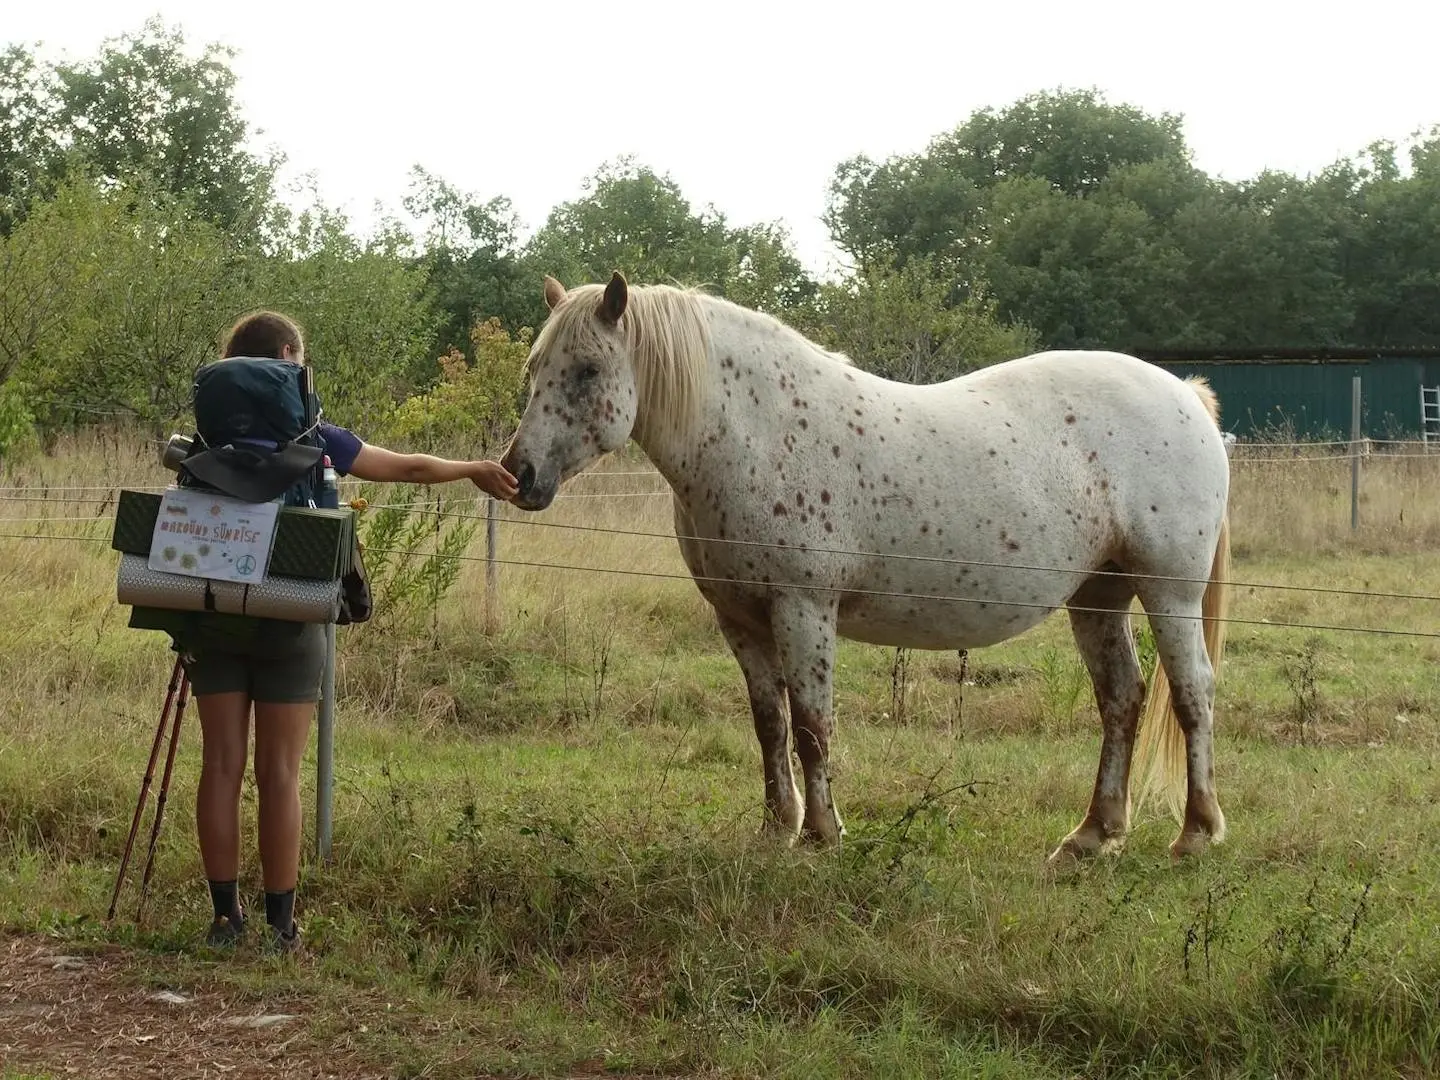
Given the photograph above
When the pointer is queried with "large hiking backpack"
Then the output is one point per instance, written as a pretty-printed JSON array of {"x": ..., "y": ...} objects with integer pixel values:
[
  {"x": 257, "y": 431},
  {"x": 257, "y": 439}
]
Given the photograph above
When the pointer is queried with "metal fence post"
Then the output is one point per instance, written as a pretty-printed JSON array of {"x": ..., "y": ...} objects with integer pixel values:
[
  {"x": 1355, "y": 452},
  {"x": 325, "y": 753},
  {"x": 492, "y": 566}
]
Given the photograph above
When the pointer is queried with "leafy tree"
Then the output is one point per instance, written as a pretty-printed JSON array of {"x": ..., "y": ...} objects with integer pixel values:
[
  {"x": 767, "y": 276},
  {"x": 1389, "y": 250},
  {"x": 935, "y": 203},
  {"x": 47, "y": 271},
  {"x": 901, "y": 324},
  {"x": 112, "y": 300},
  {"x": 1072, "y": 140},
  {"x": 1097, "y": 272},
  {"x": 639, "y": 223},
  {"x": 471, "y": 259},
  {"x": 474, "y": 405},
  {"x": 364, "y": 310},
  {"x": 1087, "y": 221},
  {"x": 28, "y": 153},
  {"x": 885, "y": 214},
  {"x": 1231, "y": 264},
  {"x": 144, "y": 107},
  {"x": 17, "y": 422},
  {"x": 160, "y": 281}
]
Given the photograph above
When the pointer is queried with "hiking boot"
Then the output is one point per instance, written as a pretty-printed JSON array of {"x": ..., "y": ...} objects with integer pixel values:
[
  {"x": 286, "y": 943},
  {"x": 226, "y": 931}
]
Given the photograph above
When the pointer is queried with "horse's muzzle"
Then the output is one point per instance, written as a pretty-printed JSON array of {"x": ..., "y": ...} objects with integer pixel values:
[
  {"x": 533, "y": 493},
  {"x": 525, "y": 478}
]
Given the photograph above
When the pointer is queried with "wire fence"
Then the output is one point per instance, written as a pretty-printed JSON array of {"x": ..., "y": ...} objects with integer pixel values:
[
  {"x": 91, "y": 527},
  {"x": 988, "y": 600}
]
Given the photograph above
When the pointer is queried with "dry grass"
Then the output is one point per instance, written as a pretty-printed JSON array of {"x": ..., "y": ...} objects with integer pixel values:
[{"x": 1295, "y": 503}]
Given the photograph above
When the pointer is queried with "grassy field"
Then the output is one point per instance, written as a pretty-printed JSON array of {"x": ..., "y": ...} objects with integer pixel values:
[{"x": 546, "y": 860}]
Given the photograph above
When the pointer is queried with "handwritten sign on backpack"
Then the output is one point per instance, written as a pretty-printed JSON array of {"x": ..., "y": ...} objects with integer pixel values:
[{"x": 204, "y": 535}]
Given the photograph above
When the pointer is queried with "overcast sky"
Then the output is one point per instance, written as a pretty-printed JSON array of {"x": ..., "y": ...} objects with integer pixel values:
[{"x": 750, "y": 104}]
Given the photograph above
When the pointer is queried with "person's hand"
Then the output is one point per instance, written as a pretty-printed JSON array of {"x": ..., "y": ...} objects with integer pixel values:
[{"x": 491, "y": 478}]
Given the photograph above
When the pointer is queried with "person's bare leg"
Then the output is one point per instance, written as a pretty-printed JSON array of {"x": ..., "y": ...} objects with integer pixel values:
[
  {"x": 281, "y": 731},
  {"x": 225, "y": 742}
]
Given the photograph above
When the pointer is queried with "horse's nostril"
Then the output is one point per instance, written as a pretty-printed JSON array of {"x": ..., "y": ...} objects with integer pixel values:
[{"x": 525, "y": 478}]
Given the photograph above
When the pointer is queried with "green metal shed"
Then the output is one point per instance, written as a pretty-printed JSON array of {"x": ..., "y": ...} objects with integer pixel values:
[{"x": 1306, "y": 393}]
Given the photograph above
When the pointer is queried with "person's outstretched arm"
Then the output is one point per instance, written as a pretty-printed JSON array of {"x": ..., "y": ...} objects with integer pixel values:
[{"x": 381, "y": 466}]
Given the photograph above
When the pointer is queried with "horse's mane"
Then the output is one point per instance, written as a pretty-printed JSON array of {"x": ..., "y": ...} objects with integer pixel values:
[{"x": 668, "y": 334}]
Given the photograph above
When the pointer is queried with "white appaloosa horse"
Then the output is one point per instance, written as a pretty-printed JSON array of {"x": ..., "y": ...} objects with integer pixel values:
[{"x": 813, "y": 499}]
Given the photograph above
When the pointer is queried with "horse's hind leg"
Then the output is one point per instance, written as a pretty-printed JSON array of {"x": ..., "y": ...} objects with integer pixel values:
[
  {"x": 1180, "y": 642},
  {"x": 1105, "y": 643},
  {"x": 754, "y": 649}
]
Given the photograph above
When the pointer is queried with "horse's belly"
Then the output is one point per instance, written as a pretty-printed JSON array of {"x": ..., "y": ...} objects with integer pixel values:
[{"x": 949, "y": 622}]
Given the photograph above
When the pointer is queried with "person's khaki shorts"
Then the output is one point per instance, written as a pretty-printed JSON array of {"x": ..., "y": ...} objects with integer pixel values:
[{"x": 283, "y": 673}]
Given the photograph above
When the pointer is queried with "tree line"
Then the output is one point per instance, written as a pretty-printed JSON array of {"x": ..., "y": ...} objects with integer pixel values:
[{"x": 135, "y": 224}]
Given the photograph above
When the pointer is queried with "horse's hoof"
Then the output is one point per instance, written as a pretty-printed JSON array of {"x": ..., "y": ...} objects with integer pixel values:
[
  {"x": 1068, "y": 855},
  {"x": 1201, "y": 829},
  {"x": 821, "y": 839},
  {"x": 1087, "y": 844},
  {"x": 1190, "y": 844}
]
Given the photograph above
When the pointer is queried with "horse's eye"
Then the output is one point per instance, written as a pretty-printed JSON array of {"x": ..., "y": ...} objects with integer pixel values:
[{"x": 589, "y": 371}]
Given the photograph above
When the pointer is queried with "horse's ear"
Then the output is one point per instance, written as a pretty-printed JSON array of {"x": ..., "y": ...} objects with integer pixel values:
[
  {"x": 616, "y": 296},
  {"x": 554, "y": 292}
]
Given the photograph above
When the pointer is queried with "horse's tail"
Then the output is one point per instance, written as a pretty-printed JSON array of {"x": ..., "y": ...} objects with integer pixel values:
[{"x": 1160, "y": 755}]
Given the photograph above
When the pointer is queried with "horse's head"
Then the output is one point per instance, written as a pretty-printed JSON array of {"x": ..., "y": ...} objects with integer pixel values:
[{"x": 583, "y": 393}]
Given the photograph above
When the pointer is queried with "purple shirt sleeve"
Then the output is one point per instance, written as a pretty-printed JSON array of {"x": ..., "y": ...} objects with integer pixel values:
[{"x": 342, "y": 446}]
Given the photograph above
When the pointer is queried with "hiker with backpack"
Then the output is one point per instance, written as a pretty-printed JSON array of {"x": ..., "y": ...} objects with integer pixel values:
[{"x": 252, "y": 444}]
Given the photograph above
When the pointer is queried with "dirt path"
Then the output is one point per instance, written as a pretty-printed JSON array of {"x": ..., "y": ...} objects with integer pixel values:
[{"x": 88, "y": 1015}]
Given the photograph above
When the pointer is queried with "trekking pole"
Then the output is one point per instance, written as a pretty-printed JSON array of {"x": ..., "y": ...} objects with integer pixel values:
[
  {"x": 175, "y": 678},
  {"x": 164, "y": 793}
]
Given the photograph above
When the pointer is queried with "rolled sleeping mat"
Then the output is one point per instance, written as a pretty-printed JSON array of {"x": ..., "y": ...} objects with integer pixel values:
[{"x": 289, "y": 599}]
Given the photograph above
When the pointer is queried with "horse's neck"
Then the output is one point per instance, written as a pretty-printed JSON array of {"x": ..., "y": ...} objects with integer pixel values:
[
  {"x": 746, "y": 353},
  {"x": 672, "y": 451}
]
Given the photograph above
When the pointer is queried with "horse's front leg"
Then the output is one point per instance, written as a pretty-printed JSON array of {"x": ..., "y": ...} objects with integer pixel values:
[
  {"x": 754, "y": 650},
  {"x": 804, "y": 629}
]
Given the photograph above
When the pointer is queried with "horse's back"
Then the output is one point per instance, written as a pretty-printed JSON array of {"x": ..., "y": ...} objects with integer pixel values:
[
  {"x": 1090, "y": 455},
  {"x": 1149, "y": 440},
  {"x": 1110, "y": 377},
  {"x": 1097, "y": 398}
]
